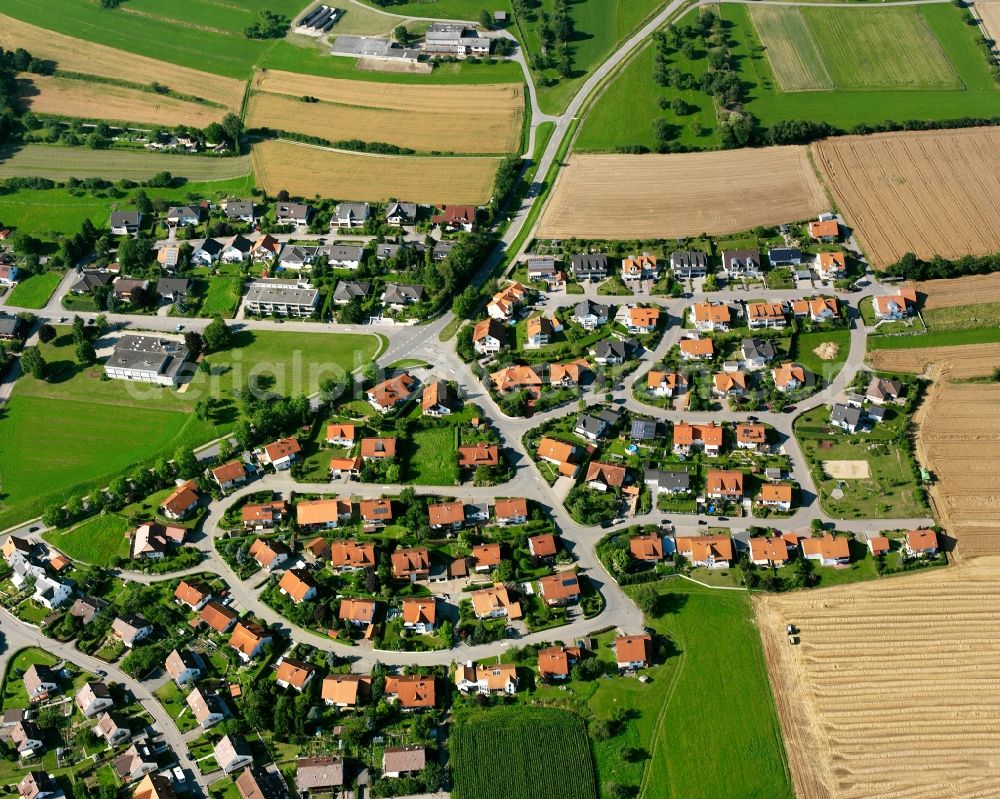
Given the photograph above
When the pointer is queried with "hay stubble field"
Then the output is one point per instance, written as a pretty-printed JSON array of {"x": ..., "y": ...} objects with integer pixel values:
[
  {"x": 462, "y": 119},
  {"x": 892, "y": 691},
  {"x": 307, "y": 171},
  {"x": 657, "y": 196}
]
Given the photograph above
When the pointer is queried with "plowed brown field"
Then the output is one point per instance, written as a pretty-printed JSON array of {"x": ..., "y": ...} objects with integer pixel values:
[
  {"x": 661, "y": 196},
  {"x": 77, "y": 55},
  {"x": 306, "y": 171},
  {"x": 972, "y": 290},
  {"x": 459, "y": 119},
  {"x": 80, "y": 98},
  {"x": 894, "y": 690},
  {"x": 931, "y": 193}
]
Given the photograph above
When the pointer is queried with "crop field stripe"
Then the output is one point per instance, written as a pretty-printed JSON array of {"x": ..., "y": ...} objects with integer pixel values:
[
  {"x": 103, "y": 101},
  {"x": 78, "y": 55},
  {"x": 522, "y": 753},
  {"x": 306, "y": 171},
  {"x": 927, "y": 193},
  {"x": 713, "y": 192},
  {"x": 880, "y": 48},
  {"x": 791, "y": 48},
  {"x": 59, "y": 163}
]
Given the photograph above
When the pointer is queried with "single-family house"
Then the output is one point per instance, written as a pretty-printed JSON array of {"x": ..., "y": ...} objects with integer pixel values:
[
  {"x": 707, "y": 437},
  {"x": 641, "y": 319},
  {"x": 390, "y": 394},
  {"x": 611, "y": 351},
  {"x": 768, "y": 551},
  {"x": 828, "y": 549},
  {"x": 711, "y": 316},
  {"x": 765, "y": 315},
  {"x": 420, "y": 615},
  {"x": 319, "y": 775},
  {"x": 264, "y": 515},
  {"x": 688, "y": 264},
  {"x": 343, "y": 256},
  {"x": 350, "y": 215},
  {"x": 667, "y": 482},
  {"x": 249, "y": 640},
  {"x": 412, "y": 563},
  {"x": 543, "y": 546},
  {"x": 589, "y": 314},
  {"x": 605, "y": 476},
  {"x": 27, "y": 739},
  {"x": 264, "y": 249},
  {"x": 824, "y": 230},
  {"x": 401, "y": 214},
  {"x": 639, "y": 267},
  {"x": 831, "y": 265},
  {"x": 776, "y": 495},
  {"x": 665, "y": 384},
  {"x": 40, "y": 682},
  {"x": 514, "y": 378},
  {"x": 297, "y": 214},
  {"x": 729, "y": 384},
  {"x": 879, "y": 545},
  {"x": 181, "y": 501},
  {"x": 206, "y": 708},
  {"x": 240, "y": 211},
  {"x": 322, "y": 514},
  {"x": 757, "y": 353},
  {"x": 411, "y": 691},
  {"x": 378, "y": 449},
  {"x": 556, "y": 662},
  {"x": 486, "y": 679},
  {"x": 784, "y": 256},
  {"x": 93, "y": 698},
  {"x": 376, "y": 511},
  {"x": 183, "y": 215},
  {"x": 511, "y": 511},
  {"x": 788, "y": 377},
  {"x": 345, "y": 690},
  {"x": 921, "y": 544},
  {"x": 205, "y": 252},
  {"x": 633, "y": 652},
  {"x": 232, "y": 753},
  {"x": 184, "y": 666},
  {"x": 589, "y": 266},
  {"x": 495, "y": 602},
  {"x": 741, "y": 263},
  {"x": 359, "y": 612},
  {"x": 846, "y": 417},
  {"x": 696, "y": 349},
  {"x": 131, "y": 628},
  {"x": 270, "y": 555},
  {"x": 298, "y": 585},
  {"x": 751, "y": 436},
  {"x": 229, "y": 475},
  {"x": 488, "y": 337},
  {"x": 472, "y": 456},
  {"x": 293, "y": 674},
  {"x": 456, "y": 217},
  {"x": 437, "y": 399},
  {"x": 560, "y": 589},
  {"x": 403, "y": 761},
  {"x": 882, "y": 390},
  {"x": 486, "y": 557},
  {"x": 897, "y": 306},
  {"x": 217, "y": 616},
  {"x": 236, "y": 249},
  {"x": 709, "y": 551},
  {"x": 724, "y": 484},
  {"x": 281, "y": 454},
  {"x": 125, "y": 223},
  {"x": 646, "y": 548}
]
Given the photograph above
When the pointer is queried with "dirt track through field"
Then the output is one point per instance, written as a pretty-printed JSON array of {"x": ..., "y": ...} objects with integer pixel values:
[
  {"x": 310, "y": 171},
  {"x": 77, "y": 55},
  {"x": 931, "y": 193},
  {"x": 459, "y": 119},
  {"x": 894, "y": 690},
  {"x": 79, "y": 98}
]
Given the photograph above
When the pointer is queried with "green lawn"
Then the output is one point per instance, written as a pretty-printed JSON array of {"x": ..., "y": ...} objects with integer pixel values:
[
  {"x": 804, "y": 344},
  {"x": 963, "y": 317},
  {"x": 35, "y": 290},
  {"x": 60, "y": 163},
  {"x": 97, "y": 541},
  {"x": 892, "y": 489},
  {"x": 947, "y": 79},
  {"x": 14, "y": 694},
  {"x": 48, "y": 213},
  {"x": 210, "y": 14},
  {"x": 75, "y": 404},
  {"x": 448, "y": 9},
  {"x": 222, "y": 296},
  {"x": 431, "y": 457},
  {"x": 947, "y": 338}
]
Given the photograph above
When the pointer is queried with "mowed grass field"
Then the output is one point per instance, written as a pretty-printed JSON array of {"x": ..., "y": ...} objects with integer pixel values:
[
  {"x": 460, "y": 119},
  {"x": 310, "y": 171},
  {"x": 59, "y": 163},
  {"x": 53, "y": 212},
  {"x": 74, "y": 406},
  {"x": 955, "y": 79},
  {"x": 102, "y": 101},
  {"x": 882, "y": 48},
  {"x": 75, "y": 54},
  {"x": 98, "y": 541},
  {"x": 795, "y": 55},
  {"x": 34, "y": 291},
  {"x": 522, "y": 753}
]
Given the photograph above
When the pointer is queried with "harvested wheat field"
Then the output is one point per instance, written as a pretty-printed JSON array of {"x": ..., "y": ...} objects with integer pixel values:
[
  {"x": 79, "y": 98},
  {"x": 969, "y": 360},
  {"x": 307, "y": 171},
  {"x": 931, "y": 193},
  {"x": 460, "y": 119},
  {"x": 958, "y": 439},
  {"x": 894, "y": 689},
  {"x": 989, "y": 12},
  {"x": 661, "y": 196},
  {"x": 77, "y": 55},
  {"x": 971, "y": 290}
]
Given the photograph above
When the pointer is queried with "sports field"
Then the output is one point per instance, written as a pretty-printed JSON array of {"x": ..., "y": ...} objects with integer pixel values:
[
  {"x": 102, "y": 101},
  {"x": 310, "y": 171},
  {"x": 849, "y": 48},
  {"x": 656, "y": 196},
  {"x": 59, "y": 163},
  {"x": 461, "y": 119},
  {"x": 792, "y": 48},
  {"x": 73, "y": 54}
]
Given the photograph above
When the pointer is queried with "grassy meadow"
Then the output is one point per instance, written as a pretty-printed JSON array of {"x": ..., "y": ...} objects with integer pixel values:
[
  {"x": 846, "y": 67},
  {"x": 35, "y": 290}
]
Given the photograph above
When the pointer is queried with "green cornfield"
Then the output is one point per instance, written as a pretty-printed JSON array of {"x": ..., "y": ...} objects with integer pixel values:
[{"x": 522, "y": 753}]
